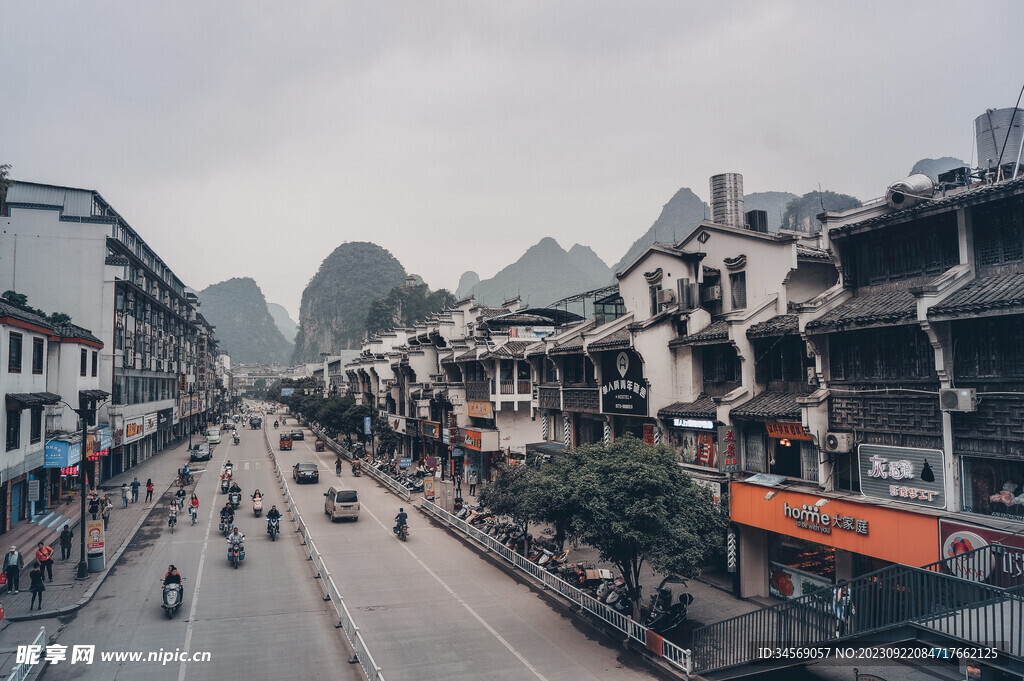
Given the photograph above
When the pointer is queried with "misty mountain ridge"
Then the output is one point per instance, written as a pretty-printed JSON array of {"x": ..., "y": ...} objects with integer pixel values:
[
  {"x": 244, "y": 326},
  {"x": 543, "y": 274},
  {"x": 284, "y": 322}
]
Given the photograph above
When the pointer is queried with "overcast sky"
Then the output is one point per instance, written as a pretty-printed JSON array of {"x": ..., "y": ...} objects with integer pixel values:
[{"x": 253, "y": 138}]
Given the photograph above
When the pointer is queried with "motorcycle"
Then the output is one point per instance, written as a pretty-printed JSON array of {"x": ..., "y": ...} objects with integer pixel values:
[
  {"x": 236, "y": 439},
  {"x": 665, "y": 616},
  {"x": 236, "y": 553},
  {"x": 403, "y": 532},
  {"x": 275, "y": 425},
  {"x": 172, "y": 596},
  {"x": 619, "y": 598},
  {"x": 235, "y": 499},
  {"x": 273, "y": 527},
  {"x": 224, "y": 485},
  {"x": 356, "y": 470},
  {"x": 257, "y": 506},
  {"x": 226, "y": 526}
]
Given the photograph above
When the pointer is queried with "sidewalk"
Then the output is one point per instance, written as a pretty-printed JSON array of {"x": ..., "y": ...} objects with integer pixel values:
[{"x": 65, "y": 594}]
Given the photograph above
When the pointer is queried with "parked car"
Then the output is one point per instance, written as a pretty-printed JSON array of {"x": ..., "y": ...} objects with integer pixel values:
[
  {"x": 298, "y": 435},
  {"x": 306, "y": 472},
  {"x": 200, "y": 452}
]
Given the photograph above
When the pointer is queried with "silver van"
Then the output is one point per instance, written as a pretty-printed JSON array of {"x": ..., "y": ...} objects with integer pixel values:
[{"x": 341, "y": 502}]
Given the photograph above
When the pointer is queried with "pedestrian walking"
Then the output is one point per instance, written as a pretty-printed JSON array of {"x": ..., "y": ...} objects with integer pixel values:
[
  {"x": 149, "y": 489},
  {"x": 13, "y": 565},
  {"x": 473, "y": 479},
  {"x": 66, "y": 536},
  {"x": 36, "y": 585},
  {"x": 107, "y": 505},
  {"x": 842, "y": 608},
  {"x": 124, "y": 494},
  {"x": 94, "y": 506},
  {"x": 44, "y": 557},
  {"x": 135, "y": 490}
]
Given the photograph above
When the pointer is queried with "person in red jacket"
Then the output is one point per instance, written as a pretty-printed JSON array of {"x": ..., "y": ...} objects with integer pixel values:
[{"x": 44, "y": 554}]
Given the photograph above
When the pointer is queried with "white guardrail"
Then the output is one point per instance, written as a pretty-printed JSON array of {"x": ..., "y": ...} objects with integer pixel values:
[
  {"x": 377, "y": 475},
  {"x": 23, "y": 669},
  {"x": 345, "y": 620},
  {"x": 679, "y": 658}
]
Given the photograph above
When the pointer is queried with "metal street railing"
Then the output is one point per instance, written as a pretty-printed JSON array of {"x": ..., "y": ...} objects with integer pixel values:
[
  {"x": 676, "y": 656},
  {"x": 23, "y": 669},
  {"x": 345, "y": 619},
  {"x": 381, "y": 477}
]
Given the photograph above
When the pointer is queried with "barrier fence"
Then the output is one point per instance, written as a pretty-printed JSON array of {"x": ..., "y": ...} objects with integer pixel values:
[
  {"x": 377, "y": 475},
  {"x": 676, "y": 656},
  {"x": 23, "y": 669},
  {"x": 345, "y": 619}
]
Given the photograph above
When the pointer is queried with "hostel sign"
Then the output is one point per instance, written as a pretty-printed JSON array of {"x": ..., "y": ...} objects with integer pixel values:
[{"x": 623, "y": 387}]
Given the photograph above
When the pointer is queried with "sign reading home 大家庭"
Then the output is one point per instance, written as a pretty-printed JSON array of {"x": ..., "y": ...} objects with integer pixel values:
[
  {"x": 907, "y": 474},
  {"x": 623, "y": 388}
]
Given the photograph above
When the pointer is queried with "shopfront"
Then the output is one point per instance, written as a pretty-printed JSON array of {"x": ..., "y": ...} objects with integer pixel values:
[
  {"x": 793, "y": 542},
  {"x": 778, "y": 447},
  {"x": 693, "y": 441},
  {"x": 482, "y": 448},
  {"x": 993, "y": 486}
]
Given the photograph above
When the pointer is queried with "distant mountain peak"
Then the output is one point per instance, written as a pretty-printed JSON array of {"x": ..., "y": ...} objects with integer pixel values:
[{"x": 245, "y": 328}]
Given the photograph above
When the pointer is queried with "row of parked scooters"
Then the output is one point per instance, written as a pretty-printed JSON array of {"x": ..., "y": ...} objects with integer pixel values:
[{"x": 664, "y": 615}]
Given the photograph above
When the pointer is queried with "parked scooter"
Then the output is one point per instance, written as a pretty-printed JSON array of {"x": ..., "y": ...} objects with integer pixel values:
[
  {"x": 172, "y": 596},
  {"x": 666, "y": 616}
]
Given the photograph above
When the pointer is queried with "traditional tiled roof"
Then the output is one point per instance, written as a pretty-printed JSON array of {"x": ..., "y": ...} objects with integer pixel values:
[
  {"x": 511, "y": 349},
  {"x": 701, "y": 408},
  {"x": 73, "y": 331},
  {"x": 614, "y": 341},
  {"x": 987, "y": 192},
  {"x": 1004, "y": 293},
  {"x": 22, "y": 315},
  {"x": 31, "y": 400},
  {"x": 466, "y": 356},
  {"x": 488, "y": 312},
  {"x": 779, "y": 325},
  {"x": 770, "y": 406},
  {"x": 869, "y": 309},
  {"x": 712, "y": 335},
  {"x": 536, "y": 349},
  {"x": 811, "y": 253},
  {"x": 573, "y": 345}
]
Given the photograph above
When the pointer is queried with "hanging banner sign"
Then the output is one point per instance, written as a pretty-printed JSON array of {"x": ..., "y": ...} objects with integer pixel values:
[
  {"x": 428, "y": 488},
  {"x": 430, "y": 429},
  {"x": 480, "y": 410},
  {"x": 623, "y": 387}
]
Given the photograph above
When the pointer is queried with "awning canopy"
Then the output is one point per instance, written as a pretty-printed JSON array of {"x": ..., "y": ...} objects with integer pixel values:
[{"x": 19, "y": 401}]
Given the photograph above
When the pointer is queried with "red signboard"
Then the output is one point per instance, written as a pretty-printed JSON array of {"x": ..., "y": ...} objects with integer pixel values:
[
  {"x": 1004, "y": 570},
  {"x": 786, "y": 431},
  {"x": 648, "y": 434}
]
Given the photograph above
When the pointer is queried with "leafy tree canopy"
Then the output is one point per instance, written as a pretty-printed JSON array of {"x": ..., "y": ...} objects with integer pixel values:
[
  {"x": 404, "y": 306},
  {"x": 801, "y": 213},
  {"x": 21, "y": 300}
]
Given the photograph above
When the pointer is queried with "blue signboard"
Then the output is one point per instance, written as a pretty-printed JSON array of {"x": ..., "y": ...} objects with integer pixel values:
[
  {"x": 106, "y": 438},
  {"x": 405, "y": 463},
  {"x": 367, "y": 425},
  {"x": 287, "y": 392},
  {"x": 457, "y": 453},
  {"x": 60, "y": 454}
]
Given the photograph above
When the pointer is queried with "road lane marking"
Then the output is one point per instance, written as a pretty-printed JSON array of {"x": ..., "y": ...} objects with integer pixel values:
[
  {"x": 195, "y": 591},
  {"x": 463, "y": 603}
]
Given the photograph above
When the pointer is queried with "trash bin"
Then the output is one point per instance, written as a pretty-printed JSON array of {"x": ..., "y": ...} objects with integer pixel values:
[{"x": 96, "y": 561}]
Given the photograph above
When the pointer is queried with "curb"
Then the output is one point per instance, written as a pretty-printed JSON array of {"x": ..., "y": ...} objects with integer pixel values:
[{"x": 91, "y": 591}]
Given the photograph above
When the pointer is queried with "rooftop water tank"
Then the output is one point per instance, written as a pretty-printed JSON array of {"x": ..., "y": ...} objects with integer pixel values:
[
  {"x": 727, "y": 200},
  {"x": 905, "y": 193},
  {"x": 990, "y": 133}
]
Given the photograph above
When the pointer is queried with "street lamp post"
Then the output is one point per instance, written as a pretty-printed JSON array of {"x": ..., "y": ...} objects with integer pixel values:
[
  {"x": 191, "y": 391},
  {"x": 87, "y": 402}
]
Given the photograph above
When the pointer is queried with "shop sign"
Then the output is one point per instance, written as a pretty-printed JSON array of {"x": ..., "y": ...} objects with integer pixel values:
[
  {"x": 480, "y": 410},
  {"x": 133, "y": 429},
  {"x": 397, "y": 424},
  {"x": 712, "y": 486},
  {"x": 914, "y": 476},
  {"x": 458, "y": 453},
  {"x": 175, "y": 415},
  {"x": 405, "y": 463},
  {"x": 33, "y": 490},
  {"x": 648, "y": 434},
  {"x": 71, "y": 471},
  {"x": 474, "y": 440},
  {"x": 530, "y": 331},
  {"x": 430, "y": 429},
  {"x": 164, "y": 419},
  {"x": 815, "y": 518},
  {"x": 61, "y": 454},
  {"x": 106, "y": 438},
  {"x": 367, "y": 425},
  {"x": 698, "y": 424},
  {"x": 728, "y": 452},
  {"x": 624, "y": 389},
  {"x": 412, "y": 427},
  {"x": 1003, "y": 569},
  {"x": 786, "y": 431},
  {"x": 698, "y": 448}
]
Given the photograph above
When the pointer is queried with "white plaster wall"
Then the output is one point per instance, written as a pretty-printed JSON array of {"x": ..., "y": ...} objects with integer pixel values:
[
  {"x": 25, "y": 382},
  {"x": 635, "y": 290},
  {"x": 516, "y": 428},
  {"x": 659, "y": 365},
  {"x": 810, "y": 280},
  {"x": 64, "y": 378}
]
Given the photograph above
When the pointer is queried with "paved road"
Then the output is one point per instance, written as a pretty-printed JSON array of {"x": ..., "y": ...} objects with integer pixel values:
[
  {"x": 265, "y": 620},
  {"x": 432, "y": 608}
]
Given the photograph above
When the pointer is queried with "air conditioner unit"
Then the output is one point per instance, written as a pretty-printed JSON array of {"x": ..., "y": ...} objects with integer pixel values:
[
  {"x": 711, "y": 293},
  {"x": 666, "y": 297},
  {"x": 958, "y": 399},
  {"x": 838, "y": 443}
]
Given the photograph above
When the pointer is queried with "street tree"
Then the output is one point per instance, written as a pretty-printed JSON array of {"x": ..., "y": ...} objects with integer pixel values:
[
  {"x": 509, "y": 493},
  {"x": 633, "y": 503},
  {"x": 352, "y": 421}
]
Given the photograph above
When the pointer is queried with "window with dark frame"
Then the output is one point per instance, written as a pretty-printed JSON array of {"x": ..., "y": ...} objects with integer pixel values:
[
  {"x": 13, "y": 429},
  {"x": 36, "y": 426},
  {"x": 655, "y": 290},
  {"x": 721, "y": 363},
  {"x": 38, "y": 348},
  {"x": 738, "y": 290},
  {"x": 14, "y": 354},
  {"x": 84, "y": 362},
  {"x": 95, "y": 362}
]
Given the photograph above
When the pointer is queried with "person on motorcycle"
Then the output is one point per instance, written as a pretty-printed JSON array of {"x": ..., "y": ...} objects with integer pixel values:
[
  {"x": 337, "y": 466},
  {"x": 234, "y": 489},
  {"x": 236, "y": 538},
  {"x": 275, "y": 424},
  {"x": 401, "y": 519},
  {"x": 186, "y": 472},
  {"x": 227, "y": 514},
  {"x": 172, "y": 576},
  {"x": 356, "y": 465},
  {"x": 273, "y": 513},
  {"x": 256, "y": 495}
]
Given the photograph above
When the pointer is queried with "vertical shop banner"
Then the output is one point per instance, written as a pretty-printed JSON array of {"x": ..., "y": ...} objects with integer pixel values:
[
  {"x": 623, "y": 387},
  {"x": 428, "y": 488},
  {"x": 728, "y": 450},
  {"x": 94, "y": 537},
  {"x": 367, "y": 425},
  {"x": 648, "y": 434}
]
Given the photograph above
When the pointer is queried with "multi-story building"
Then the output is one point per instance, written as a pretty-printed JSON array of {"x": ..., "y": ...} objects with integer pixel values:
[{"x": 70, "y": 251}]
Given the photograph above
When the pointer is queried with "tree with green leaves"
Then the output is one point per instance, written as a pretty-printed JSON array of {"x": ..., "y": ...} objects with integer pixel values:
[
  {"x": 352, "y": 421},
  {"x": 406, "y": 305},
  {"x": 509, "y": 493},
  {"x": 634, "y": 504},
  {"x": 386, "y": 438},
  {"x": 5, "y": 180}
]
